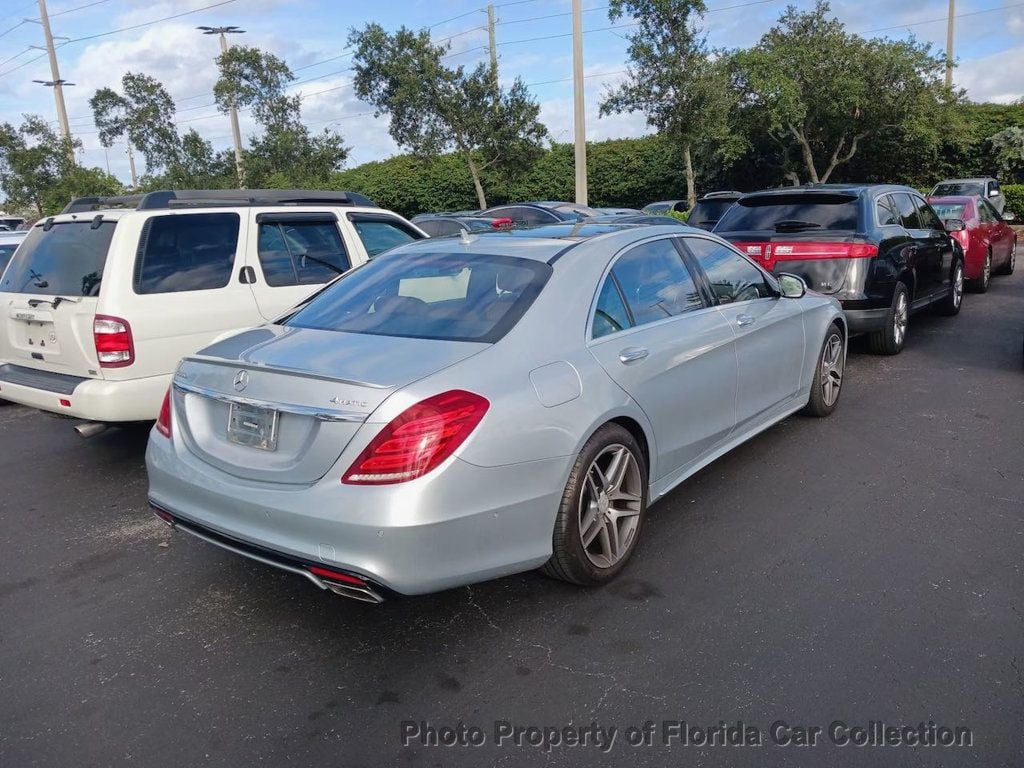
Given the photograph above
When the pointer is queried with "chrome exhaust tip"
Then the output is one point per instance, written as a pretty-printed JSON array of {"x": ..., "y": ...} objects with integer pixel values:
[
  {"x": 353, "y": 592},
  {"x": 90, "y": 428}
]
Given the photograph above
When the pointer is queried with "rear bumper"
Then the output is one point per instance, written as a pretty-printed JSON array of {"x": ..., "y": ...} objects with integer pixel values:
[
  {"x": 88, "y": 399},
  {"x": 865, "y": 320},
  {"x": 459, "y": 525}
]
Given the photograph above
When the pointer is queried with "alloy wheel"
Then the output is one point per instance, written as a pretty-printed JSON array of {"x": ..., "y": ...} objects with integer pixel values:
[
  {"x": 899, "y": 319},
  {"x": 610, "y": 506},
  {"x": 986, "y": 271},
  {"x": 958, "y": 285},
  {"x": 832, "y": 369}
]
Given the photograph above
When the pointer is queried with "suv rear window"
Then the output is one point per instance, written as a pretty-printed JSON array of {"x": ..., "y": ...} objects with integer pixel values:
[
  {"x": 448, "y": 296},
  {"x": 66, "y": 260},
  {"x": 186, "y": 252},
  {"x": 791, "y": 213}
]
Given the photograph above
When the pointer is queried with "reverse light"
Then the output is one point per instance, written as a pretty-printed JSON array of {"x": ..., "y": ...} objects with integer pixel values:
[
  {"x": 418, "y": 439},
  {"x": 163, "y": 421},
  {"x": 113, "y": 339}
]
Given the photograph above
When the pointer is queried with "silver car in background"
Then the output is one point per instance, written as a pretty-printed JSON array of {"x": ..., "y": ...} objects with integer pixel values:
[{"x": 462, "y": 409}]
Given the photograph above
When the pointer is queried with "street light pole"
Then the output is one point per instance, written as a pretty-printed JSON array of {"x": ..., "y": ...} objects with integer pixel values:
[
  {"x": 949, "y": 43},
  {"x": 236, "y": 132},
  {"x": 579, "y": 114}
]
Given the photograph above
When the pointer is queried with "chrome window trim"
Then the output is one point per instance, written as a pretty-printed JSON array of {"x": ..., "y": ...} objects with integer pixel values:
[{"x": 320, "y": 414}]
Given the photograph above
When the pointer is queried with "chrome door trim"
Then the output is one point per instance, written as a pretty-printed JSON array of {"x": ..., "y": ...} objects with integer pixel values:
[{"x": 320, "y": 414}]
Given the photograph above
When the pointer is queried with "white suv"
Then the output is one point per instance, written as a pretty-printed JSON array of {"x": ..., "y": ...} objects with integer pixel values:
[{"x": 99, "y": 304}]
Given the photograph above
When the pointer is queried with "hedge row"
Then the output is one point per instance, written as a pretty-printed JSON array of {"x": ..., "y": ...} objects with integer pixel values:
[{"x": 1014, "y": 194}]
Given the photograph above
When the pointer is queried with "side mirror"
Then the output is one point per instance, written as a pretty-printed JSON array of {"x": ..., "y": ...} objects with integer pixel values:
[
  {"x": 1009, "y": 216},
  {"x": 993, "y": 193},
  {"x": 954, "y": 225},
  {"x": 792, "y": 286}
]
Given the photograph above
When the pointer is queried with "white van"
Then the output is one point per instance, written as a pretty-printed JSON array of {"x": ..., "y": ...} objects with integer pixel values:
[{"x": 99, "y": 304}]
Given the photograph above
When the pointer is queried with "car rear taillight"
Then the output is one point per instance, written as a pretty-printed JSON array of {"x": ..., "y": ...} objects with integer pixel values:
[
  {"x": 504, "y": 222},
  {"x": 113, "y": 339},
  {"x": 805, "y": 251},
  {"x": 418, "y": 439},
  {"x": 163, "y": 421}
]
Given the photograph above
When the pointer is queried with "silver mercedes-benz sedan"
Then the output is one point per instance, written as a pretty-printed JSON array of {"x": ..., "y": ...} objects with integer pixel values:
[{"x": 466, "y": 408}]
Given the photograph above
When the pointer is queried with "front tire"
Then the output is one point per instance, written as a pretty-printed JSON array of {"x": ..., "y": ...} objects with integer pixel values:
[
  {"x": 950, "y": 304},
  {"x": 891, "y": 338},
  {"x": 602, "y": 510},
  {"x": 828, "y": 374}
]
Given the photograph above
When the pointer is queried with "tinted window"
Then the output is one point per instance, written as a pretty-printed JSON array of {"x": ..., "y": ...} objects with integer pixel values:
[
  {"x": 986, "y": 212},
  {"x": 459, "y": 297},
  {"x": 789, "y": 213},
  {"x": 301, "y": 252},
  {"x": 907, "y": 211},
  {"x": 67, "y": 260},
  {"x": 993, "y": 186},
  {"x": 610, "y": 314},
  {"x": 949, "y": 210},
  {"x": 885, "y": 212},
  {"x": 656, "y": 282},
  {"x": 707, "y": 213},
  {"x": 186, "y": 252},
  {"x": 925, "y": 215},
  {"x": 732, "y": 277},
  {"x": 6, "y": 251},
  {"x": 956, "y": 188},
  {"x": 526, "y": 216},
  {"x": 381, "y": 234}
]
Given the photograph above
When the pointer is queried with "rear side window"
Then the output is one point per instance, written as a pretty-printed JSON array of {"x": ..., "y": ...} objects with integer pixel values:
[
  {"x": 732, "y": 277},
  {"x": 907, "y": 211},
  {"x": 66, "y": 260},
  {"x": 656, "y": 282},
  {"x": 448, "y": 296},
  {"x": 296, "y": 252},
  {"x": 885, "y": 212},
  {"x": 382, "y": 233},
  {"x": 791, "y": 213},
  {"x": 610, "y": 315},
  {"x": 186, "y": 252}
]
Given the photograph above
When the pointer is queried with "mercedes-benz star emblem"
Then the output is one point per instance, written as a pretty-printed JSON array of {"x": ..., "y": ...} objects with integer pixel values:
[{"x": 241, "y": 380}]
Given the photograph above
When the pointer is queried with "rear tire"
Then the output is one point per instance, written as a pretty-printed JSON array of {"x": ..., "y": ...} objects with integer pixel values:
[
  {"x": 981, "y": 284},
  {"x": 1007, "y": 268},
  {"x": 602, "y": 510},
  {"x": 951, "y": 303},
  {"x": 893, "y": 335},
  {"x": 828, "y": 374}
]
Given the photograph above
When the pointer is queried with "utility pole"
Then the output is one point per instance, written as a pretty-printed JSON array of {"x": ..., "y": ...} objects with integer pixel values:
[
  {"x": 55, "y": 82},
  {"x": 949, "y": 43},
  {"x": 131, "y": 165},
  {"x": 236, "y": 132},
  {"x": 494, "y": 51},
  {"x": 579, "y": 114}
]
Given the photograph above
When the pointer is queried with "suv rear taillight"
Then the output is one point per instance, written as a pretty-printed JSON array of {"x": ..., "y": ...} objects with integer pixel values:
[
  {"x": 418, "y": 439},
  {"x": 113, "y": 339},
  {"x": 768, "y": 254},
  {"x": 163, "y": 421}
]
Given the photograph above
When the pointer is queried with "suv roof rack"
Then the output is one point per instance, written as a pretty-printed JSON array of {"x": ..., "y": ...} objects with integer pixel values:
[
  {"x": 211, "y": 198},
  {"x": 83, "y": 204}
]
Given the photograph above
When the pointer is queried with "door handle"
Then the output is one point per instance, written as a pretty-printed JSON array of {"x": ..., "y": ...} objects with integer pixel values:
[
  {"x": 247, "y": 275},
  {"x": 632, "y": 354},
  {"x": 742, "y": 320}
]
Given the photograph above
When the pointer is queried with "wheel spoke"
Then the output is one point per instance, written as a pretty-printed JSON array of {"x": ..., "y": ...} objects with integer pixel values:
[
  {"x": 591, "y": 526},
  {"x": 610, "y": 540},
  {"x": 617, "y": 470}
]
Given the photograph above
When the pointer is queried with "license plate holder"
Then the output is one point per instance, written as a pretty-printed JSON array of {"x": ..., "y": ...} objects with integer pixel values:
[{"x": 253, "y": 426}]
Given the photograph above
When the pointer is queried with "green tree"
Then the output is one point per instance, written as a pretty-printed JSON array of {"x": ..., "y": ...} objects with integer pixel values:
[
  {"x": 674, "y": 81},
  {"x": 1008, "y": 151},
  {"x": 33, "y": 161},
  {"x": 434, "y": 108},
  {"x": 821, "y": 91},
  {"x": 144, "y": 114}
]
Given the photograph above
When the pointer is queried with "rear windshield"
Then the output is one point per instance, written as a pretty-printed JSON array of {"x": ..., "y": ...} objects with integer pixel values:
[
  {"x": 949, "y": 210},
  {"x": 66, "y": 260},
  {"x": 657, "y": 207},
  {"x": 959, "y": 188},
  {"x": 455, "y": 297},
  {"x": 791, "y": 213},
  {"x": 709, "y": 211}
]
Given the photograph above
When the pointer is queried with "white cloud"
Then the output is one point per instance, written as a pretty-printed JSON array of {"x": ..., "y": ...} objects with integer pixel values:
[{"x": 993, "y": 78}]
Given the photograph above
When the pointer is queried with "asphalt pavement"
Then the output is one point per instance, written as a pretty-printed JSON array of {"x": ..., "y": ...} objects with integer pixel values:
[{"x": 865, "y": 568}]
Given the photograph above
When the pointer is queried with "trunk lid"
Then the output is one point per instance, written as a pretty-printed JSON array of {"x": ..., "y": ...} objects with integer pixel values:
[
  {"x": 49, "y": 294},
  {"x": 279, "y": 404},
  {"x": 821, "y": 257}
]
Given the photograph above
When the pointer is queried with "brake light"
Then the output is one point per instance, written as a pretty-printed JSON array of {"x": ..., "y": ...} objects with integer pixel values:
[
  {"x": 327, "y": 573},
  {"x": 113, "y": 339},
  {"x": 418, "y": 439},
  {"x": 504, "y": 222},
  {"x": 804, "y": 251},
  {"x": 163, "y": 421}
]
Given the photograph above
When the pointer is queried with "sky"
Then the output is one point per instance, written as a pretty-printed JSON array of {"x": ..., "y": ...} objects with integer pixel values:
[{"x": 533, "y": 41}]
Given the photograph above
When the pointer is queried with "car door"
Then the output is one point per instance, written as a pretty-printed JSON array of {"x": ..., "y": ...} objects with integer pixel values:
[
  {"x": 940, "y": 244},
  {"x": 769, "y": 330},
  {"x": 999, "y": 236},
  {"x": 658, "y": 337},
  {"x": 922, "y": 256},
  {"x": 295, "y": 253}
]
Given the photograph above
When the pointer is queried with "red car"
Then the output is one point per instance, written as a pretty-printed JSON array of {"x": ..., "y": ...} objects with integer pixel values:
[{"x": 989, "y": 244}]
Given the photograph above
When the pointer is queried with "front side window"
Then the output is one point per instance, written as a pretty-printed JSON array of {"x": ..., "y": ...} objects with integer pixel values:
[
  {"x": 65, "y": 260},
  {"x": 186, "y": 252},
  {"x": 382, "y": 233},
  {"x": 987, "y": 213},
  {"x": 925, "y": 215},
  {"x": 448, "y": 296},
  {"x": 732, "y": 277},
  {"x": 610, "y": 315},
  {"x": 295, "y": 252},
  {"x": 655, "y": 282}
]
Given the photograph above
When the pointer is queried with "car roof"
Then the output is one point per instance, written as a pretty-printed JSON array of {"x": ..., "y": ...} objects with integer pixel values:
[
  {"x": 976, "y": 180},
  {"x": 10, "y": 235},
  {"x": 824, "y": 189},
  {"x": 115, "y": 214}
]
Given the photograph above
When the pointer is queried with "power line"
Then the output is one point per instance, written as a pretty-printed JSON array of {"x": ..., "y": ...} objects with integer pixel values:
[{"x": 942, "y": 19}]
